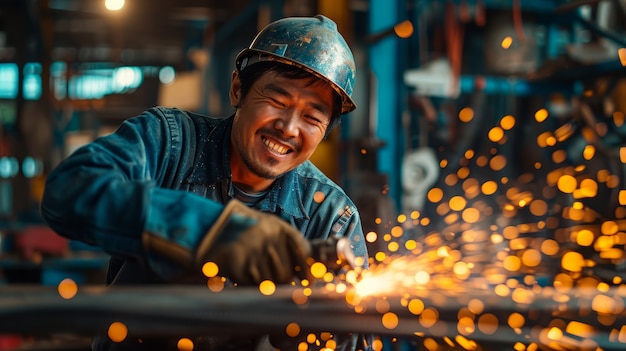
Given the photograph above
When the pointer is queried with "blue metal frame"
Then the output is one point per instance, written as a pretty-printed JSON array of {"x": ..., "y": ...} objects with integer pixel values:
[{"x": 383, "y": 58}]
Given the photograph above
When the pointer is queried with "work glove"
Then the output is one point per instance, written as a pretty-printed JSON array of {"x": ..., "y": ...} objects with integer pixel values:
[
  {"x": 251, "y": 246},
  {"x": 248, "y": 246}
]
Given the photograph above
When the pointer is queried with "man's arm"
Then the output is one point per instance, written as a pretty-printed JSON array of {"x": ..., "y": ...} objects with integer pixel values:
[{"x": 108, "y": 192}]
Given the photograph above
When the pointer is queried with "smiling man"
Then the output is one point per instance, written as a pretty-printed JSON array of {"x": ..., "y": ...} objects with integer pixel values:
[
  {"x": 171, "y": 190},
  {"x": 277, "y": 127}
]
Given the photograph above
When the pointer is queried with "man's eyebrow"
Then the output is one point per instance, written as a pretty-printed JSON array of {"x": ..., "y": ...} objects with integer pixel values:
[{"x": 278, "y": 89}]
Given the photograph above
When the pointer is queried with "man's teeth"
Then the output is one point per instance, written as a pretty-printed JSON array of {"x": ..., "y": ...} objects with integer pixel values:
[{"x": 275, "y": 147}]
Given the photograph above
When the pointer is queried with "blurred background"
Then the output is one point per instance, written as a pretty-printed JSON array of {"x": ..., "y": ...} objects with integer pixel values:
[
  {"x": 480, "y": 123},
  {"x": 488, "y": 141}
]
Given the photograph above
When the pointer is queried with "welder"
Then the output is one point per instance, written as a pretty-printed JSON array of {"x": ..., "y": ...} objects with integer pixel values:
[{"x": 170, "y": 190}]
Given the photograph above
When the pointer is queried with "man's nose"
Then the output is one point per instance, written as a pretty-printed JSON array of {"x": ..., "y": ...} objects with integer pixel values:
[{"x": 289, "y": 122}]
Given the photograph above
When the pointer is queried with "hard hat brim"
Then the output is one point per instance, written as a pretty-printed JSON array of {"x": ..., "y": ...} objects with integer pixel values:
[{"x": 248, "y": 57}]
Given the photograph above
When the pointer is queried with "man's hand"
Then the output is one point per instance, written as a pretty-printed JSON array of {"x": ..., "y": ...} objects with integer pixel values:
[{"x": 250, "y": 246}]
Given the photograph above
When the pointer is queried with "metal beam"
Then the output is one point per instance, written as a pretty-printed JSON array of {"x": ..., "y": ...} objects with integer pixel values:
[{"x": 177, "y": 311}]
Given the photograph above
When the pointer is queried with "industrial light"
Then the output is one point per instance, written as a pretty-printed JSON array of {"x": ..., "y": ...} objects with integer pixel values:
[
  {"x": 126, "y": 78},
  {"x": 9, "y": 167},
  {"x": 402, "y": 30},
  {"x": 32, "y": 167},
  {"x": 114, "y": 5},
  {"x": 167, "y": 74}
]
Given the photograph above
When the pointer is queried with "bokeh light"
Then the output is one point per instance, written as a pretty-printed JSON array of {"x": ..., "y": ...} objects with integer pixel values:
[
  {"x": 117, "y": 331},
  {"x": 67, "y": 288},
  {"x": 184, "y": 344},
  {"x": 267, "y": 287}
]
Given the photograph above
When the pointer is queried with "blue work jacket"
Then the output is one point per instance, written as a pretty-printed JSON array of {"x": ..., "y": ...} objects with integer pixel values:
[{"x": 167, "y": 171}]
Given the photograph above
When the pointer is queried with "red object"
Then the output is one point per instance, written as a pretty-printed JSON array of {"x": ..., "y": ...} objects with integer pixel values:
[
  {"x": 9, "y": 342},
  {"x": 40, "y": 239},
  {"x": 480, "y": 83}
]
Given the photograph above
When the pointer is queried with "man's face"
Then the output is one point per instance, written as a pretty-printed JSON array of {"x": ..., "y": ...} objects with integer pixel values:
[{"x": 278, "y": 124}]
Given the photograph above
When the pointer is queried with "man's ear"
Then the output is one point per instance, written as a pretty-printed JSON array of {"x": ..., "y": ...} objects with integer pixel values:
[{"x": 235, "y": 90}]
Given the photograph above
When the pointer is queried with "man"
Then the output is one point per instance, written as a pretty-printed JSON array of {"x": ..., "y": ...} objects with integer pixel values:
[{"x": 171, "y": 190}]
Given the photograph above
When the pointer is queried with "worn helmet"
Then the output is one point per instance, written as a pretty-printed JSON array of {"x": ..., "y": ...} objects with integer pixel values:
[{"x": 311, "y": 43}]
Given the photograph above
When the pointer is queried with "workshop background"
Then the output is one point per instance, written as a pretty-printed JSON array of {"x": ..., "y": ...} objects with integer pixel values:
[{"x": 492, "y": 128}]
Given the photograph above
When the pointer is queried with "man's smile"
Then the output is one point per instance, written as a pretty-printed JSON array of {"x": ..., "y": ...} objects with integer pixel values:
[{"x": 276, "y": 147}]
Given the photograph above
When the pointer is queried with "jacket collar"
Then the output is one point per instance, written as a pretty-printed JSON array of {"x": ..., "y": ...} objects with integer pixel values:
[{"x": 286, "y": 194}]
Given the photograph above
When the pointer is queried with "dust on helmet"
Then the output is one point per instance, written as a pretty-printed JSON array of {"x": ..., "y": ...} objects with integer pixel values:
[{"x": 311, "y": 43}]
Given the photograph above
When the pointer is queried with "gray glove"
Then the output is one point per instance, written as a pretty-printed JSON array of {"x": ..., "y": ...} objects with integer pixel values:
[{"x": 248, "y": 245}]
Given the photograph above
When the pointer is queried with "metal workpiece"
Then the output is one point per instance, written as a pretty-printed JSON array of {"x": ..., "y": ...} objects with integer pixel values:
[{"x": 577, "y": 320}]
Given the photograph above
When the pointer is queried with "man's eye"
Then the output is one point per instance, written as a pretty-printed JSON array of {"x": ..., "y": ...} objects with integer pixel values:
[
  {"x": 313, "y": 119},
  {"x": 278, "y": 103}
]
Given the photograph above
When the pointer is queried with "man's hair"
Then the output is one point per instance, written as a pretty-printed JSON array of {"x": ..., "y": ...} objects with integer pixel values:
[{"x": 252, "y": 73}]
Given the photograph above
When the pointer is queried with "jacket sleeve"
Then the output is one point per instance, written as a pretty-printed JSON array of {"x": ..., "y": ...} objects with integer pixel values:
[
  {"x": 109, "y": 192},
  {"x": 349, "y": 225}
]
